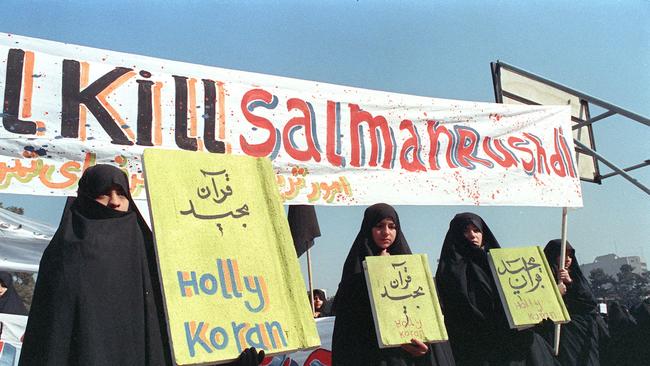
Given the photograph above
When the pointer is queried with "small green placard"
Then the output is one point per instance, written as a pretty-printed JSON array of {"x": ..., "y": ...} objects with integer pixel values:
[
  {"x": 404, "y": 300},
  {"x": 526, "y": 286}
]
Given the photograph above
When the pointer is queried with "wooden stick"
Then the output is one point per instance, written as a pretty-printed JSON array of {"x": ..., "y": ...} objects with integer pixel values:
[
  {"x": 311, "y": 288},
  {"x": 556, "y": 339}
]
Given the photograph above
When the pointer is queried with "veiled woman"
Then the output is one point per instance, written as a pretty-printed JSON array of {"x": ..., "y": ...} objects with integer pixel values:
[
  {"x": 97, "y": 299},
  {"x": 10, "y": 301},
  {"x": 354, "y": 341},
  {"x": 476, "y": 323},
  {"x": 579, "y": 339}
]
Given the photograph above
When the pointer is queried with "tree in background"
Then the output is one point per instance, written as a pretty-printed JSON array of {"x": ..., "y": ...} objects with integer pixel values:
[
  {"x": 632, "y": 287},
  {"x": 627, "y": 287},
  {"x": 602, "y": 285},
  {"x": 14, "y": 209}
]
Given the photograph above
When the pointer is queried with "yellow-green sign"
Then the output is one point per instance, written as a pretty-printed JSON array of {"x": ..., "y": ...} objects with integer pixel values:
[
  {"x": 526, "y": 285},
  {"x": 404, "y": 300},
  {"x": 230, "y": 275}
]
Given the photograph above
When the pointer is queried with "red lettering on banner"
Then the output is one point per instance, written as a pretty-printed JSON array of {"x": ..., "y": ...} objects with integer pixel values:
[
  {"x": 370, "y": 143},
  {"x": 542, "y": 165},
  {"x": 304, "y": 122},
  {"x": 435, "y": 130},
  {"x": 467, "y": 148},
  {"x": 264, "y": 148},
  {"x": 516, "y": 143},
  {"x": 378, "y": 123},
  {"x": 568, "y": 159},
  {"x": 507, "y": 160},
  {"x": 411, "y": 146}
]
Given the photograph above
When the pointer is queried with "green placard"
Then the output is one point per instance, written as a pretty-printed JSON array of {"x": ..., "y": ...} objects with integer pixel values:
[
  {"x": 526, "y": 286},
  {"x": 404, "y": 300},
  {"x": 229, "y": 270}
]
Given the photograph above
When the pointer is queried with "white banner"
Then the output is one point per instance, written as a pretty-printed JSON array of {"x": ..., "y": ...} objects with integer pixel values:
[{"x": 67, "y": 107}]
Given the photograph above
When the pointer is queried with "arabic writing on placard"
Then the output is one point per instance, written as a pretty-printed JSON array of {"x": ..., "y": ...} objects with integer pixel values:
[
  {"x": 523, "y": 275},
  {"x": 212, "y": 195},
  {"x": 400, "y": 289}
]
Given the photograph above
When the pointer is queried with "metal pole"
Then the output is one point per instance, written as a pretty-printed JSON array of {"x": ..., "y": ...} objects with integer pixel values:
[
  {"x": 556, "y": 340},
  {"x": 588, "y": 151},
  {"x": 311, "y": 289}
]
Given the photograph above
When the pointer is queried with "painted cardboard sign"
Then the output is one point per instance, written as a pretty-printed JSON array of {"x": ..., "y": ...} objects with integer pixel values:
[{"x": 230, "y": 276}]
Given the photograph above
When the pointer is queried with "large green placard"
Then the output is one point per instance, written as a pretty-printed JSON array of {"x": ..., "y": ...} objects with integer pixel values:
[
  {"x": 230, "y": 275},
  {"x": 404, "y": 300},
  {"x": 526, "y": 286}
]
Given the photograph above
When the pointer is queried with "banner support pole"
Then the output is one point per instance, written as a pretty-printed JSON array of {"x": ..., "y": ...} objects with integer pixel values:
[
  {"x": 311, "y": 289},
  {"x": 556, "y": 338}
]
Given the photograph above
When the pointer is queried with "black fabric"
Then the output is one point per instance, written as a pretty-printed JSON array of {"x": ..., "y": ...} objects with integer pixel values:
[
  {"x": 476, "y": 323},
  {"x": 619, "y": 319},
  {"x": 10, "y": 302},
  {"x": 354, "y": 341},
  {"x": 631, "y": 347},
  {"x": 580, "y": 339},
  {"x": 97, "y": 299},
  {"x": 249, "y": 357},
  {"x": 303, "y": 224}
]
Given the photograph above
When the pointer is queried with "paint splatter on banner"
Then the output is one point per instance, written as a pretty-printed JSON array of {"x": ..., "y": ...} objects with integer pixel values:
[{"x": 67, "y": 107}]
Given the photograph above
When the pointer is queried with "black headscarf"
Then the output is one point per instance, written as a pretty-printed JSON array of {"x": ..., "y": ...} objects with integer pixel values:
[
  {"x": 578, "y": 298},
  {"x": 476, "y": 323},
  {"x": 97, "y": 299},
  {"x": 364, "y": 244},
  {"x": 354, "y": 341},
  {"x": 10, "y": 302},
  {"x": 463, "y": 276}
]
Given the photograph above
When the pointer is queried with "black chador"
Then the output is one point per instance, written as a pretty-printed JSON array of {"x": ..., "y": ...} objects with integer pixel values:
[
  {"x": 354, "y": 342},
  {"x": 97, "y": 299},
  {"x": 476, "y": 323}
]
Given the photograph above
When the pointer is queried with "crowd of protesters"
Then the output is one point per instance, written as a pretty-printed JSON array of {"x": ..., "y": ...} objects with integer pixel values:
[{"x": 97, "y": 299}]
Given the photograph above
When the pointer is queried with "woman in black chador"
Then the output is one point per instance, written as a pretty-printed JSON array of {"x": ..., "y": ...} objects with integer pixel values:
[
  {"x": 97, "y": 299},
  {"x": 354, "y": 341},
  {"x": 579, "y": 339},
  {"x": 10, "y": 302},
  {"x": 476, "y": 323}
]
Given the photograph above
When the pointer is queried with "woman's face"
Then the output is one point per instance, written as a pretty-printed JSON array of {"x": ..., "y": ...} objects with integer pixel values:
[
  {"x": 384, "y": 233},
  {"x": 114, "y": 198},
  {"x": 567, "y": 260},
  {"x": 318, "y": 302},
  {"x": 473, "y": 235},
  {"x": 3, "y": 289}
]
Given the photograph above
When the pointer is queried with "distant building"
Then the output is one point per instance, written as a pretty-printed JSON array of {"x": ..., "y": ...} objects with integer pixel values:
[{"x": 611, "y": 264}]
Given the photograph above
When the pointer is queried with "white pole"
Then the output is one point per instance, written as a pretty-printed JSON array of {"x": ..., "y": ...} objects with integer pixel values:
[
  {"x": 311, "y": 289},
  {"x": 556, "y": 343}
]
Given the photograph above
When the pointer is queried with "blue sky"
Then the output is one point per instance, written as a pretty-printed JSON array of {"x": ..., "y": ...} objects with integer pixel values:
[{"x": 439, "y": 49}]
